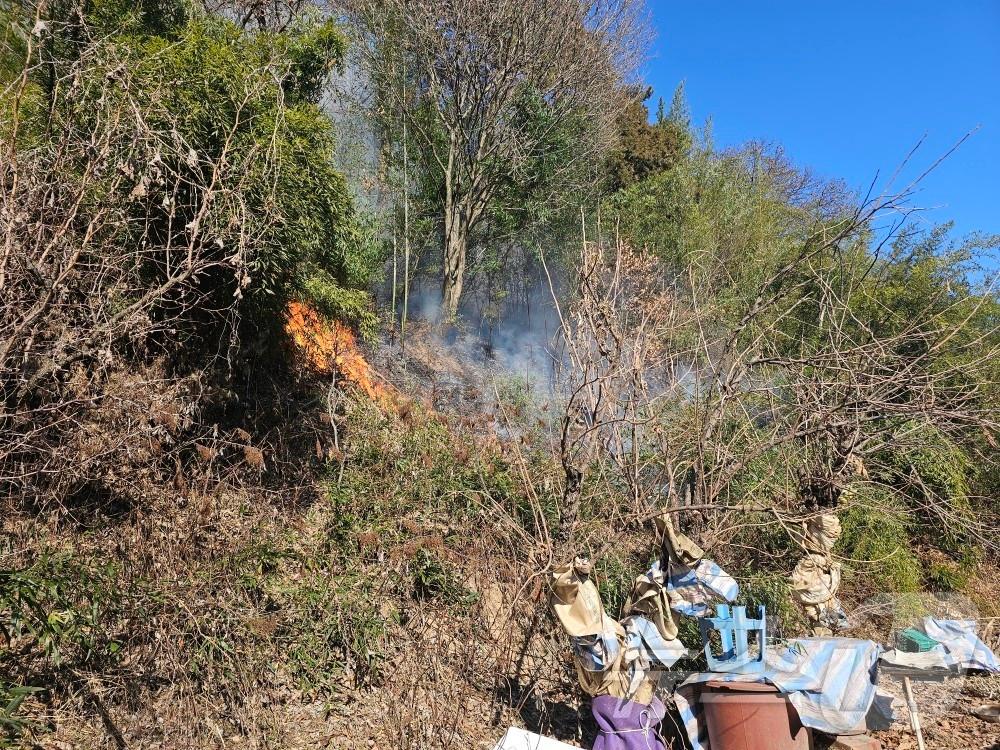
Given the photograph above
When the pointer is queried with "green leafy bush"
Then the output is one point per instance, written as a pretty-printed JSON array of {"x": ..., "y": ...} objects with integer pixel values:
[
  {"x": 63, "y": 606},
  {"x": 946, "y": 576},
  {"x": 59, "y": 610},
  {"x": 772, "y": 591},
  {"x": 332, "y": 630},
  {"x": 12, "y": 696},
  {"x": 435, "y": 578},
  {"x": 214, "y": 146},
  {"x": 877, "y": 544}
]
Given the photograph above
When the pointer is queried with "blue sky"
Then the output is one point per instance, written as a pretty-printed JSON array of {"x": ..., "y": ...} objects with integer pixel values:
[{"x": 848, "y": 88}]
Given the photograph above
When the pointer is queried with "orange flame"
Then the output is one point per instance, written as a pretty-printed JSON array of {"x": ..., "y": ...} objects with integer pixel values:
[{"x": 331, "y": 346}]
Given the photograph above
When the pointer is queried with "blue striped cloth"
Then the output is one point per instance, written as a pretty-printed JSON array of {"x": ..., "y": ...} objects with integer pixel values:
[
  {"x": 641, "y": 636},
  {"x": 692, "y": 589},
  {"x": 830, "y": 681},
  {"x": 596, "y": 653}
]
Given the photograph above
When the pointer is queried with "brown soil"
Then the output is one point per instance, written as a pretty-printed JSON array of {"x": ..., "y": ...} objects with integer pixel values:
[{"x": 944, "y": 716}]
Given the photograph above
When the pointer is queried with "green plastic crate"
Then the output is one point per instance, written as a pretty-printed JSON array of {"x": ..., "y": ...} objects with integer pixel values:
[{"x": 914, "y": 641}]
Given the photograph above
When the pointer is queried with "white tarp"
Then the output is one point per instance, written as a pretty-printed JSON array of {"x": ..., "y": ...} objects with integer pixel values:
[{"x": 961, "y": 642}]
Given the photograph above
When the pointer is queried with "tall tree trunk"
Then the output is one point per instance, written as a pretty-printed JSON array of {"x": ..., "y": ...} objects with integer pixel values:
[{"x": 456, "y": 241}]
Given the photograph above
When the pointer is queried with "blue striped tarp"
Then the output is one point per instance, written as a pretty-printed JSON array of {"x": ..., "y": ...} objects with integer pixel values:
[{"x": 830, "y": 681}]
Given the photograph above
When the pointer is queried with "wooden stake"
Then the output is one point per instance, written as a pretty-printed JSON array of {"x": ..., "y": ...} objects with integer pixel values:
[
  {"x": 406, "y": 238},
  {"x": 911, "y": 706}
]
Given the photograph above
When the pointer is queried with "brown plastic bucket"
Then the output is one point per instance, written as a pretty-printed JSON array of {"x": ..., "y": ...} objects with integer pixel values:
[{"x": 751, "y": 716}]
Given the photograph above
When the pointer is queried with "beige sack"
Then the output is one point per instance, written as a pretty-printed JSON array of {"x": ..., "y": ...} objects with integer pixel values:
[
  {"x": 576, "y": 602},
  {"x": 680, "y": 547},
  {"x": 815, "y": 579},
  {"x": 649, "y": 597},
  {"x": 820, "y": 533}
]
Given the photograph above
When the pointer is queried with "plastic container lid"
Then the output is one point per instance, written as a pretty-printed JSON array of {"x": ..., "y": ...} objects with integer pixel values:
[{"x": 742, "y": 687}]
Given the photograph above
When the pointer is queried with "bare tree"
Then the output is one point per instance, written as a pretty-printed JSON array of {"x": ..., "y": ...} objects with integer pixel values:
[
  {"x": 612, "y": 337},
  {"x": 712, "y": 406},
  {"x": 463, "y": 74}
]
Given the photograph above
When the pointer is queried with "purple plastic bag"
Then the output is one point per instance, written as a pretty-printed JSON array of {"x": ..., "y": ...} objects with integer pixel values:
[{"x": 626, "y": 725}]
